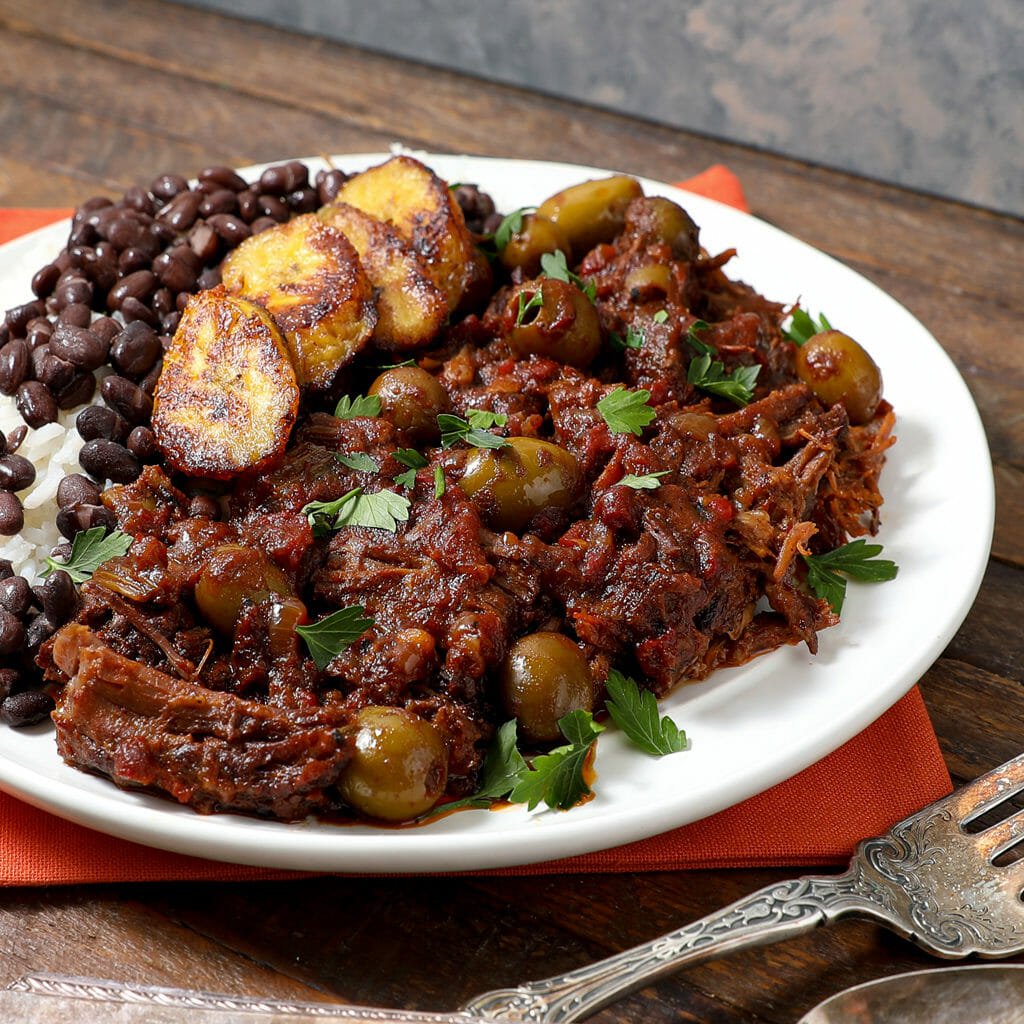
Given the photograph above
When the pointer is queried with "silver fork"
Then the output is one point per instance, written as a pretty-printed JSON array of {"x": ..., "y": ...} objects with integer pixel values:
[{"x": 928, "y": 880}]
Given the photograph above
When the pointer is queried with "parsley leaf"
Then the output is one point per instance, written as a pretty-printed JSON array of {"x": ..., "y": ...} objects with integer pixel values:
[
  {"x": 396, "y": 366},
  {"x": 383, "y": 511},
  {"x": 709, "y": 375},
  {"x": 802, "y": 327},
  {"x": 635, "y": 712},
  {"x": 411, "y": 458},
  {"x": 336, "y": 633},
  {"x": 439, "y": 483},
  {"x": 633, "y": 339},
  {"x": 535, "y": 301},
  {"x": 510, "y": 225},
  {"x": 661, "y": 316},
  {"x": 472, "y": 430},
  {"x": 557, "y": 777},
  {"x": 89, "y": 550},
  {"x": 702, "y": 347},
  {"x": 554, "y": 265},
  {"x": 647, "y": 482},
  {"x": 856, "y": 560},
  {"x": 359, "y": 461},
  {"x": 348, "y": 408},
  {"x": 626, "y": 412}
]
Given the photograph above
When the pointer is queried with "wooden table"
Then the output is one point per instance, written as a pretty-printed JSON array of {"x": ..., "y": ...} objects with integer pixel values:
[{"x": 100, "y": 95}]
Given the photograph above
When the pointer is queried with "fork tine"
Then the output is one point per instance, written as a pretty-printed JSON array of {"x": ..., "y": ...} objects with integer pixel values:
[
  {"x": 1002, "y": 836},
  {"x": 989, "y": 790}
]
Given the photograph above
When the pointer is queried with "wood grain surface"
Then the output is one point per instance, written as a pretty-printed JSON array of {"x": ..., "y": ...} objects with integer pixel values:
[{"x": 96, "y": 96}]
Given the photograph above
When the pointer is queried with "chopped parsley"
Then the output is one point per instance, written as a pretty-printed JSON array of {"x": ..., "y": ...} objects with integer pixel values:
[
  {"x": 635, "y": 712},
  {"x": 335, "y": 633},
  {"x": 362, "y": 405},
  {"x": 382, "y": 511},
  {"x": 473, "y": 430},
  {"x": 702, "y": 347},
  {"x": 89, "y": 550},
  {"x": 555, "y": 266},
  {"x": 825, "y": 573},
  {"x": 647, "y": 482},
  {"x": 626, "y": 412},
  {"x": 661, "y": 316},
  {"x": 510, "y": 225},
  {"x": 439, "y": 482},
  {"x": 556, "y": 778},
  {"x": 535, "y": 301},
  {"x": 709, "y": 375},
  {"x": 633, "y": 338},
  {"x": 413, "y": 460},
  {"x": 359, "y": 461},
  {"x": 803, "y": 327}
]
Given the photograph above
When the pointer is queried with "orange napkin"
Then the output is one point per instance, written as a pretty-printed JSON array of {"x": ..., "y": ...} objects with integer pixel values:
[{"x": 888, "y": 771}]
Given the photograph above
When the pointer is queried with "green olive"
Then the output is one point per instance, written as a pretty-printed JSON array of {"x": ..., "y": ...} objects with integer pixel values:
[
  {"x": 515, "y": 482},
  {"x": 591, "y": 212},
  {"x": 232, "y": 575},
  {"x": 648, "y": 282},
  {"x": 838, "y": 370},
  {"x": 661, "y": 219},
  {"x": 544, "y": 677},
  {"x": 564, "y": 326},
  {"x": 399, "y": 769},
  {"x": 536, "y": 236},
  {"x": 411, "y": 399}
]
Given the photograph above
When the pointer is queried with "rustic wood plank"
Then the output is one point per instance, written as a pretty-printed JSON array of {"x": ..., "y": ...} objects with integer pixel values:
[{"x": 1008, "y": 539}]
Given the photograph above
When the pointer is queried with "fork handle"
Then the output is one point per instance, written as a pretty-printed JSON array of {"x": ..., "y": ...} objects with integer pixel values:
[{"x": 776, "y": 912}]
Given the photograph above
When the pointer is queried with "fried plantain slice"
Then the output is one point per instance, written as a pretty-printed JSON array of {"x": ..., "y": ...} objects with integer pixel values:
[
  {"x": 420, "y": 207},
  {"x": 309, "y": 278},
  {"x": 410, "y": 308},
  {"x": 227, "y": 396}
]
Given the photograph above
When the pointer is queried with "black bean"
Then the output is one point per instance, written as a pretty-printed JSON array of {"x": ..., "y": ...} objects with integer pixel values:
[
  {"x": 328, "y": 184},
  {"x": 209, "y": 278},
  {"x": 137, "y": 198},
  {"x": 73, "y": 520},
  {"x": 80, "y": 346},
  {"x": 129, "y": 229},
  {"x": 202, "y": 506},
  {"x": 16, "y": 473},
  {"x": 102, "y": 270},
  {"x": 93, "y": 203},
  {"x": 106, "y": 327},
  {"x": 138, "y": 285},
  {"x": 162, "y": 302},
  {"x": 16, "y": 437},
  {"x": 73, "y": 289},
  {"x": 78, "y": 255},
  {"x": 36, "y": 404},
  {"x": 45, "y": 280},
  {"x": 30, "y": 707},
  {"x": 133, "y": 309},
  {"x": 16, "y": 595},
  {"x": 6, "y": 569},
  {"x": 163, "y": 236},
  {"x": 167, "y": 186},
  {"x": 77, "y": 315},
  {"x": 3, "y": 443},
  {"x": 169, "y": 323},
  {"x": 17, "y": 317},
  {"x": 272, "y": 207},
  {"x": 108, "y": 460},
  {"x": 304, "y": 200},
  {"x": 78, "y": 391},
  {"x": 50, "y": 370},
  {"x": 133, "y": 259},
  {"x": 14, "y": 362},
  {"x": 10, "y": 679},
  {"x": 148, "y": 383},
  {"x": 142, "y": 443},
  {"x": 221, "y": 201},
  {"x": 248, "y": 205},
  {"x": 38, "y": 332},
  {"x": 233, "y": 230},
  {"x": 181, "y": 212},
  {"x": 83, "y": 233},
  {"x": 284, "y": 178},
  {"x": 98, "y": 422},
  {"x": 262, "y": 224},
  {"x": 178, "y": 268},
  {"x": 127, "y": 398},
  {"x": 203, "y": 241},
  {"x": 12, "y": 514},
  {"x": 12, "y": 632},
  {"x": 76, "y": 489},
  {"x": 59, "y": 597},
  {"x": 225, "y": 177},
  {"x": 39, "y": 629}
]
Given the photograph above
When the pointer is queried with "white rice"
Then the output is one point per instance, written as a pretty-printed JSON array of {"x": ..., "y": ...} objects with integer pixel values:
[{"x": 53, "y": 449}]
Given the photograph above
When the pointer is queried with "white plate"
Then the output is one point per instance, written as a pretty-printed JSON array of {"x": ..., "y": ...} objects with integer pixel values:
[{"x": 750, "y": 727}]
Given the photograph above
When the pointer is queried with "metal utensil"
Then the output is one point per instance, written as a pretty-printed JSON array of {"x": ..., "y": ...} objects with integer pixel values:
[
  {"x": 927, "y": 879},
  {"x": 993, "y": 993}
]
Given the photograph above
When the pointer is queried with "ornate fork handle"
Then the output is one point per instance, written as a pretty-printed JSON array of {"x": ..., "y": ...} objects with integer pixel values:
[{"x": 771, "y": 914}]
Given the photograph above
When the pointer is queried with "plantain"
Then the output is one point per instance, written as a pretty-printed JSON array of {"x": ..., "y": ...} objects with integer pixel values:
[
  {"x": 410, "y": 307},
  {"x": 227, "y": 396},
  {"x": 309, "y": 278},
  {"x": 421, "y": 209}
]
